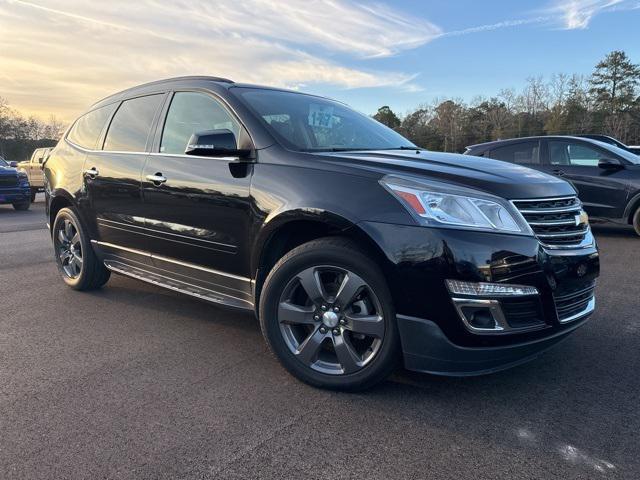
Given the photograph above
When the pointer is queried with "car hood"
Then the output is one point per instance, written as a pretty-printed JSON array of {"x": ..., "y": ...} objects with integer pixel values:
[
  {"x": 499, "y": 178},
  {"x": 7, "y": 171}
]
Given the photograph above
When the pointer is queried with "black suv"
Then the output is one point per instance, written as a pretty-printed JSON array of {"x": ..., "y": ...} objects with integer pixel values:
[
  {"x": 606, "y": 177},
  {"x": 353, "y": 247}
]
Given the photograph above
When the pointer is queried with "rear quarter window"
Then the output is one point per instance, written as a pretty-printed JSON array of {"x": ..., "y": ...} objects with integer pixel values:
[{"x": 87, "y": 129}]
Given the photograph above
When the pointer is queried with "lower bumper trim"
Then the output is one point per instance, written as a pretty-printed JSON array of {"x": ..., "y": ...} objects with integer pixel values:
[{"x": 427, "y": 349}]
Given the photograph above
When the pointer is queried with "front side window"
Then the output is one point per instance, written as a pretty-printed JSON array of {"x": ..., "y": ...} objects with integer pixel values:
[
  {"x": 131, "y": 125},
  {"x": 87, "y": 129},
  {"x": 574, "y": 154},
  {"x": 189, "y": 113},
  {"x": 524, "y": 153},
  {"x": 308, "y": 123}
]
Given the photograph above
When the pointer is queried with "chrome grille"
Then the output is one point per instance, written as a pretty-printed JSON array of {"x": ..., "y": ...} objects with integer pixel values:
[
  {"x": 573, "y": 304},
  {"x": 555, "y": 221}
]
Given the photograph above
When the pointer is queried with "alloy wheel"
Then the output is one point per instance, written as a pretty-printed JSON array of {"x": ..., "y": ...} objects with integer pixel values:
[
  {"x": 331, "y": 320},
  {"x": 69, "y": 249}
]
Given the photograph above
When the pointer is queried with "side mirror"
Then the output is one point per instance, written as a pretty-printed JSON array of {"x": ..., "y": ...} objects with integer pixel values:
[
  {"x": 610, "y": 164},
  {"x": 13, "y": 164},
  {"x": 215, "y": 143}
]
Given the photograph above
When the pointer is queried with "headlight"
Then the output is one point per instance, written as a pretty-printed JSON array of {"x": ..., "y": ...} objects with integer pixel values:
[{"x": 435, "y": 204}]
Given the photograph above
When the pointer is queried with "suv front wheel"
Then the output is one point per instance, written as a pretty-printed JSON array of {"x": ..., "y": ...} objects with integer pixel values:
[{"x": 327, "y": 314}]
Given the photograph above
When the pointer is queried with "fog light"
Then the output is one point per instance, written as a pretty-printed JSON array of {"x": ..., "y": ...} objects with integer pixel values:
[
  {"x": 479, "y": 317},
  {"x": 482, "y": 289}
]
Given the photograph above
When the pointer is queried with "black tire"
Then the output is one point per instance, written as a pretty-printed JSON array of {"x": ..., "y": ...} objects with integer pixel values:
[
  {"x": 34, "y": 192},
  {"x": 329, "y": 253},
  {"x": 91, "y": 274},
  {"x": 22, "y": 206},
  {"x": 636, "y": 221}
]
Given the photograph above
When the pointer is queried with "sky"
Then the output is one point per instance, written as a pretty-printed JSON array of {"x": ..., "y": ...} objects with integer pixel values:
[{"x": 57, "y": 57}]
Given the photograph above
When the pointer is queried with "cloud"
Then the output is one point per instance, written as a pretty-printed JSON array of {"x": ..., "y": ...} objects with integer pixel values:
[
  {"x": 494, "y": 26},
  {"x": 577, "y": 14},
  {"x": 62, "y": 56}
]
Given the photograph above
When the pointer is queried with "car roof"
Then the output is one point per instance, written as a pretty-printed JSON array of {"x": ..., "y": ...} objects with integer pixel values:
[
  {"x": 149, "y": 86},
  {"x": 487, "y": 145}
]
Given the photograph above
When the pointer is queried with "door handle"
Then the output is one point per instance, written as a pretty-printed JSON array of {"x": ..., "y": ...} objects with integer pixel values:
[
  {"x": 558, "y": 172},
  {"x": 92, "y": 172},
  {"x": 157, "y": 178}
]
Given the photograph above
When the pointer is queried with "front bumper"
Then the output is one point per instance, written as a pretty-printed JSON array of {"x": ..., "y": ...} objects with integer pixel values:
[
  {"x": 15, "y": 195},
  {"x": 434, "y": 336},
  {"x": 427, "y": 349}
]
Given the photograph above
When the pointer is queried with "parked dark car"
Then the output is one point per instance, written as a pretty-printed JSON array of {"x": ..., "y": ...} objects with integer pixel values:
[
  {"x": 604, "y": 139},
  {"x": 14, "y": 187},
  {"x": 607, "y": 178},
  {"x": 634, "y": 149},
  {"x": 353, "y": 247}
]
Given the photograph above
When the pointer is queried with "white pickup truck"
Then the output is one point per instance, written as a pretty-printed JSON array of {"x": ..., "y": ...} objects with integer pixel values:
[{"x": 33, "y": 168}]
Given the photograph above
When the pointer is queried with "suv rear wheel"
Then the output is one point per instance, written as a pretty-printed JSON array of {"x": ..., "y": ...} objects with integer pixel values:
[
  {"x": 327, "y": 314},
  {"x": 78, "y": 264}
]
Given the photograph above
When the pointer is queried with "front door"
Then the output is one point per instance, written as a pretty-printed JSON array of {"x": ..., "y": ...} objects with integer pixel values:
[
  {"x": 197, "y": 209},
  {"x": 603, "y": 192}
]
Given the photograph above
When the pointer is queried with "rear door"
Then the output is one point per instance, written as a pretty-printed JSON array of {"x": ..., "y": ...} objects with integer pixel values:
[
  {"x": 603, "y": 192},
  {"x": 112, "y": 173},
  {"x": 526, "y": 152}
]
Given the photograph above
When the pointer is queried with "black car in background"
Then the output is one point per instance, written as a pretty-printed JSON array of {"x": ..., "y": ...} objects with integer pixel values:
[
  {"x": 353, "y": 247},
  {"x": 606, "y": 177},
  {"x": 14, "y": 187},
  {"x": 602, "y": 138}
]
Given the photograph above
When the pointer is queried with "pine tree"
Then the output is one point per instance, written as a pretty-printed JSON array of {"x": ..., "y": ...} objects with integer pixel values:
[
  {"x": 614, "y": 83},
  {"x": 386, "y": 116}
]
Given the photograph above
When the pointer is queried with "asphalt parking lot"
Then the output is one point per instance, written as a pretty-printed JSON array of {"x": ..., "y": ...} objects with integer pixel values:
[{"x": 134, "y": 381}]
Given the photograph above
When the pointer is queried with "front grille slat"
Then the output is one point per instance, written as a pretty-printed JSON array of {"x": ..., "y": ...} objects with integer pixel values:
[
  {"x": 575, "y": 303},
  {"x": 555, "y": 221}
]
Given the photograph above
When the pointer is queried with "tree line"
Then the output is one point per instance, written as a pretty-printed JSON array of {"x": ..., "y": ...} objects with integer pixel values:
[
  {"x": 606, "y": 102},
  {"x": 20, "y": 136}
]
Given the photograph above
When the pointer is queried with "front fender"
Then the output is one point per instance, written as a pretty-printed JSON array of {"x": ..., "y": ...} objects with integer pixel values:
[{"x": 330, "y": 219}]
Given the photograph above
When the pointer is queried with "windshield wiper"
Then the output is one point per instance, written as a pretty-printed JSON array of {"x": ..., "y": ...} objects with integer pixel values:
[
  {"x": 337, "y": 149},
  {"x": 402, "y": 147}
]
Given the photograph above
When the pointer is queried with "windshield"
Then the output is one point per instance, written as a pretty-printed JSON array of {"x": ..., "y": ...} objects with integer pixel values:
[
  {"x": 627, "y": 155},
  {"x": 3, "y": 162},
  {"x": 307, "y": 123}
]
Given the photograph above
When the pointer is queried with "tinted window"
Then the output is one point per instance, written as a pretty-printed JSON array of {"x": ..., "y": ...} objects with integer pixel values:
[
  {"x": 525, "y": 153},
  {"x": 190, "y": 113},
  {"x": 574, "y": 153},
  {"x": 307, "y": 123},
  {"x": 131, "y": 124},
  {"x": 87, "y": 129}
]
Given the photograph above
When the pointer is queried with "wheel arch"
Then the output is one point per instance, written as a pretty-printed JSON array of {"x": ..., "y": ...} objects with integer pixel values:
[
  {"x": 632, "y": 206},
  {"x": 58, "y": 200},
  {"x": 293, "y": 228}
]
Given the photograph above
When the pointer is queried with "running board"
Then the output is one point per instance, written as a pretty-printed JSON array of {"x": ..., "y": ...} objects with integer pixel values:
[{"x": 177, "y": 285}]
